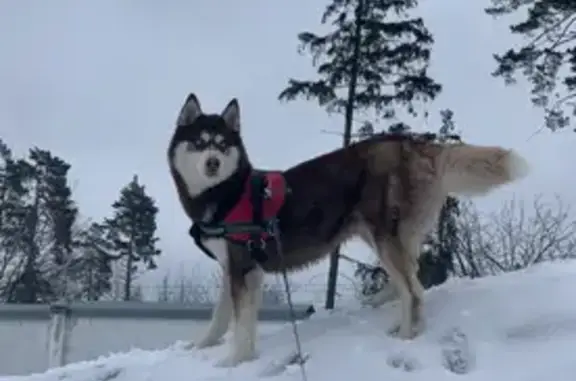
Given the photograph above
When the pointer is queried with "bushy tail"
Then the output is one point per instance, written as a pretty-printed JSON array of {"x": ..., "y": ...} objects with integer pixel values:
[{"x": 475, "y": 170}]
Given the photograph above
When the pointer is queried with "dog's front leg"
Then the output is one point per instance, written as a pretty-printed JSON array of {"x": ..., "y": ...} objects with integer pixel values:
[
  {"x": 222, "y": 313},
  {"x": 246, "y": 298}
]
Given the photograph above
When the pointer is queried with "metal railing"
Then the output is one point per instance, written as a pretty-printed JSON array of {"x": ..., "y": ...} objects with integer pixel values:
[{"x": 61, "y": 318}]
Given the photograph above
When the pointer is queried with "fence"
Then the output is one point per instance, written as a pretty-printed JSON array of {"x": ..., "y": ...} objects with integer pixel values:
[
  {"x": 83, "y": 331},
  {"x": 186, "y": 290}
]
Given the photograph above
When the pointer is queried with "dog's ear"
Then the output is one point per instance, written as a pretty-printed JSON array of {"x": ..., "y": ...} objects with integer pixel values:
[
  {"x": 231, "y": 115},
  {"x": 190, "y": 111}
]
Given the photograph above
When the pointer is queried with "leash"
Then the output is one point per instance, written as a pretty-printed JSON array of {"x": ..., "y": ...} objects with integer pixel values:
[
  {"x": 373, "y": 268},
  {"x": 300, "y": 359}
]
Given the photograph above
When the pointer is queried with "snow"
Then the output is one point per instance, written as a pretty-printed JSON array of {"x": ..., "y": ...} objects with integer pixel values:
[{"x": 516, "y": 327}]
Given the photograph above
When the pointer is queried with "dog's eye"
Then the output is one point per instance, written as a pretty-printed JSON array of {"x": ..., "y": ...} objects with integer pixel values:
[
  {"x": 222, "y": 147},
  {"x": 195, "y": 144}
]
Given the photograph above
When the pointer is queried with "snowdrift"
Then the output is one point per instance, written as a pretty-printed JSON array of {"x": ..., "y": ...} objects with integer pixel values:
[{"x": 516, "y": 327}]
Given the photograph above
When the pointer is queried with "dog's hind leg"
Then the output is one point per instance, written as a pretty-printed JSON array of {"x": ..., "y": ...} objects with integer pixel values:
[
  {"x": 401, "y": 268},
  {"x": 246, "y": 297},
  {"x": 221, "y": 315},
  {"x": 411, "y": 245}
]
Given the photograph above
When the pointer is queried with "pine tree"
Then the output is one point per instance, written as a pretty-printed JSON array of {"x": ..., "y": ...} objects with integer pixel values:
[
  {"x": 92, "y": 267},
  {"x": 380, "y": 63},
  {"x": 44, "y": 255},
  {"x": 132, "y": 231},
  {"x": 62, "y": 214},
  {"x": 12, "y": 213},
  {"x": 42, "y": 230},
  {"x": 375, "y": 60},
  {"x": 547, "y": 58}
]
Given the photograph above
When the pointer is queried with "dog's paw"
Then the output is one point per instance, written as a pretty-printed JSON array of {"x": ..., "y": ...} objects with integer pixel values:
[
  {"x": 406, "y": 332},
  {"x": 236, "y": 359},
  {"x": 206, "y": 342}
]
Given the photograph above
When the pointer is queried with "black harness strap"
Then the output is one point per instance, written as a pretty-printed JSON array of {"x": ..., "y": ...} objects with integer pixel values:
[
  {"x": 196, "y": 234},
  {"x": 256, "y": 245}
]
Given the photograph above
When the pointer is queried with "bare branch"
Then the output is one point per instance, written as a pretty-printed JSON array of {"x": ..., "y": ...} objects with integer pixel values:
[{"x": 516, "y": 236}]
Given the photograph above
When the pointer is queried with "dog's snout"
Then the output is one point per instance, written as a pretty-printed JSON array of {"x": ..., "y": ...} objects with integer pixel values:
[{"x": 212, "y": 165}]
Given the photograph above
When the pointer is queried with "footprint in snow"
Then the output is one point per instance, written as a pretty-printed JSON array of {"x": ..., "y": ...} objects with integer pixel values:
[
  {"x": 457, "y": 354},
  {"x": 403, "y": 361}
]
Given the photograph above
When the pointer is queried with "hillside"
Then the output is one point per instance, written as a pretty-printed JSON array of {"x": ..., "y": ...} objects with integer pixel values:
[{"x": 516, "y": 327}]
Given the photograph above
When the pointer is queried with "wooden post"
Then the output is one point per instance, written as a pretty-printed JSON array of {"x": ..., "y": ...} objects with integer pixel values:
[{"x": 59, "y": 333}]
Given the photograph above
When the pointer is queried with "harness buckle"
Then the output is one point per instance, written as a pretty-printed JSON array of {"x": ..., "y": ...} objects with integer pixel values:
[
  {"x": 250, "y": 244},
  {"x": 270, "y": 227}
]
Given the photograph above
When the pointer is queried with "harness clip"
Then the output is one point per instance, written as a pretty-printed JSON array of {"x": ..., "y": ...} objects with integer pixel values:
[
  {"x": 271, "y": 226},
  {"x": 250, "y": 244}
]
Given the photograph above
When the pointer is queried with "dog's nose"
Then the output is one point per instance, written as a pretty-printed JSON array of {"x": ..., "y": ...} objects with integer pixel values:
[{"x": 212, "y": 165}]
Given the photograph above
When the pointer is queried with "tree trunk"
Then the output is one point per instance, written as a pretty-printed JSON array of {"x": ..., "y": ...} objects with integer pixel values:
[
  {"x": 348, "y": 119},
  {"x": 128, "y": 279}
]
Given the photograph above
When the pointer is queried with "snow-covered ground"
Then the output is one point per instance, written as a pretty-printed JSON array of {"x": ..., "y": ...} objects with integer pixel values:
[{"x": 516, "y": 327}]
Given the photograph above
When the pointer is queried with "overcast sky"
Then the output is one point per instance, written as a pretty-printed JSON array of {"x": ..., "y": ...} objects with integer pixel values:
[{"x": 100, "y": 83}]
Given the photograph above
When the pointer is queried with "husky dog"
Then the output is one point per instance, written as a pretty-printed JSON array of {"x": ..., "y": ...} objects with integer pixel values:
[{"x": 387, "y": 190}]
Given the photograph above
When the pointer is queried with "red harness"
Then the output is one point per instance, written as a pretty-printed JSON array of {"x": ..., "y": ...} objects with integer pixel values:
[{"x": 271, "y": 204}]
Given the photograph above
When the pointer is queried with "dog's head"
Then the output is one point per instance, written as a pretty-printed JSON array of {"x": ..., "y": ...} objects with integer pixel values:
[{"x": 206, "y": 149}]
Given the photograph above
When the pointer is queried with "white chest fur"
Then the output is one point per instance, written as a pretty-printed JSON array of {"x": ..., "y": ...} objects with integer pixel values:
[{"x": 219, "y": 248}]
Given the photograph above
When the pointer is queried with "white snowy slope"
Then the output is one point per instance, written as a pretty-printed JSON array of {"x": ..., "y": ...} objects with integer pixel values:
[{"x": 516, "y": 327}]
